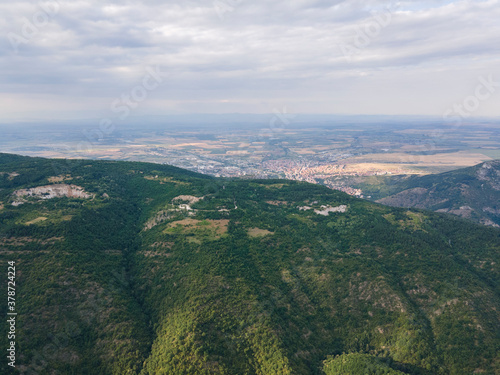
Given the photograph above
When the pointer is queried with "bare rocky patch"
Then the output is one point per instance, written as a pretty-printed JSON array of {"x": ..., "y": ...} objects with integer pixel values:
[
  {"x": 325, "y": 210},
  {"x": 50, "y": 192}
]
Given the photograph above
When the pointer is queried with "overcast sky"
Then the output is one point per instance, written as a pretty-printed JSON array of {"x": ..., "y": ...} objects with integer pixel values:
[{"x": 74, "y": 59}]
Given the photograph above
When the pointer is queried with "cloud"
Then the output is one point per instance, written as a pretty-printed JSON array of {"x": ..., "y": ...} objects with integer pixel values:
[{"x": 251, "y": 52}]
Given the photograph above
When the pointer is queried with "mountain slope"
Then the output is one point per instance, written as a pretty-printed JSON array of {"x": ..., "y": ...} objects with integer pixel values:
[
  {"x": 135, "y": 268},
  {"x": 472, "y": 193}
]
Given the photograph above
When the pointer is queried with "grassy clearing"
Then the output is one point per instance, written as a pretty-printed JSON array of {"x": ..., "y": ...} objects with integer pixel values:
[
  {"x": 198, "y": 231},
  {"x": 257, "y": 232}
]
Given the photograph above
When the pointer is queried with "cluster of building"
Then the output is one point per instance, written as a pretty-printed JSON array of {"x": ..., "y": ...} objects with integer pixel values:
[{"x": 308, "y": 168}]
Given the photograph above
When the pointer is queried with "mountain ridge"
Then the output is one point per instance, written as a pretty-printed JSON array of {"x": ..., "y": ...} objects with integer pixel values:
[
  {"x": 472, "y": 193},
  {"x": 140, "y": 278}
]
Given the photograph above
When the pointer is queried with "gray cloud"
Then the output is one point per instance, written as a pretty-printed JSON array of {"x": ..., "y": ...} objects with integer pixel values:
[{"x": 279, "y": 53}]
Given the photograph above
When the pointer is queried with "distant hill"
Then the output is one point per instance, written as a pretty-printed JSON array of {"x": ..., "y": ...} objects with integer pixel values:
[
  {"x": 472, "y": 193},
  {"x": 136, "y": 268}
]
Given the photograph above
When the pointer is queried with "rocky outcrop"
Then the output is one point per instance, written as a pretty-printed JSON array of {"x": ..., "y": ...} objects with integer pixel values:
[
  {"x": 325, "y": 210},
  {"x": 49, "y": 192},
  {"x": 490, "y": 172}
]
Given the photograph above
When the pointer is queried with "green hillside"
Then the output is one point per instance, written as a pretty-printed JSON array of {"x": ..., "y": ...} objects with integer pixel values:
[
  {"x": 136, "y": 268},
  {"x": 472, "y": 193}
]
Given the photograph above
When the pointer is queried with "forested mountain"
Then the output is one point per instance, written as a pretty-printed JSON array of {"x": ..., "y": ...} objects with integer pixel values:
[
  {"x": 472, "y": 193},
  {"x": 135, "y": 268}
]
